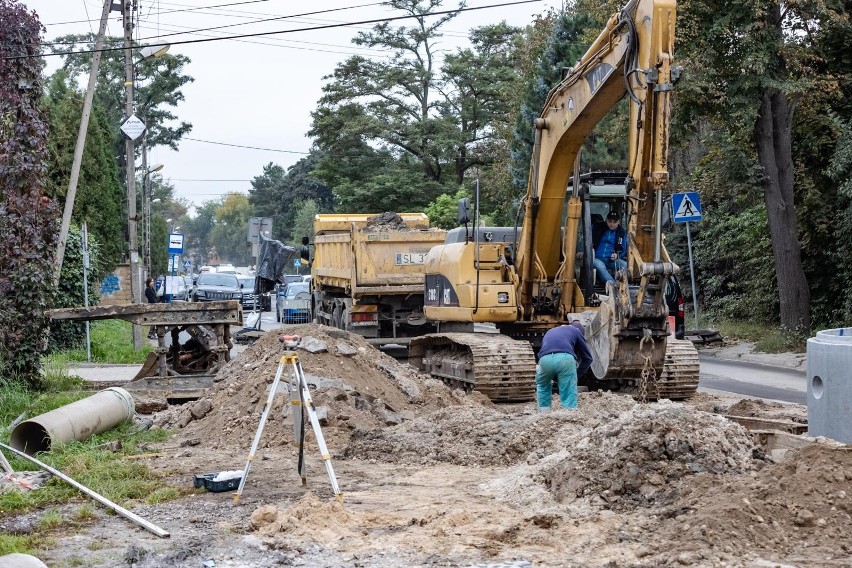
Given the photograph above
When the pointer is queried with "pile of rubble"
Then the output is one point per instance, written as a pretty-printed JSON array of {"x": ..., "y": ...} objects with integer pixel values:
[{"x": 354, "y": 385}]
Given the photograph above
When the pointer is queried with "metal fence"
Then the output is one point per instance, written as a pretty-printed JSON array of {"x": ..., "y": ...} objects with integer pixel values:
[{"x": 296, "y": 311}]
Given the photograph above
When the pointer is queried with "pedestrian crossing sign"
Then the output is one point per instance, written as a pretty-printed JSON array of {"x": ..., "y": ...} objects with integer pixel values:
[{"x": 686, "y": 207}]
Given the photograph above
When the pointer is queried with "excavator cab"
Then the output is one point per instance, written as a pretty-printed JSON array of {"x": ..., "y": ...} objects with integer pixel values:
[{"x": 602, "y": 191}]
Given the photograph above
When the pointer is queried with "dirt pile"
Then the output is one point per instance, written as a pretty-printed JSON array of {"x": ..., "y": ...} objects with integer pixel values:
[
  {"x": 611, "y": 449},
  {"x": 355, "y": 386},
  {"x": 633, "y": 460},
  {"x": 794, "y": 511},
  {"x": 387, "y": 221},
  {"x": 756, "y": 408}
]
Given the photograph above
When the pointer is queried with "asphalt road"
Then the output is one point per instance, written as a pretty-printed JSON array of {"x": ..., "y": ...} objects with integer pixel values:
[{"x": 753, "y": 379}]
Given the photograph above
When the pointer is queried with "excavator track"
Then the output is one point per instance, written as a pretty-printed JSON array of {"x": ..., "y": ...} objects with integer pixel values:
[
  {"x": 679, "y": 378},
  {"x": 500, "y": 367}
]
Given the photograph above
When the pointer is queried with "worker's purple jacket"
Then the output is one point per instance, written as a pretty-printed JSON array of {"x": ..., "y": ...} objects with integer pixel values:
[{"x": 567, "y": 339}]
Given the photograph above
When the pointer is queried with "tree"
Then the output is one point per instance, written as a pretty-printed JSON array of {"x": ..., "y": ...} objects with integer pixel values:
[
  {"x": 443, "y": 212},
  {"x": 476, "y": 86},
  {"x": 303, "y": 221},
  {"x": 276, "y": 194},
  {"x": 156, "y": 89},
  {"x": 754, "y": 61},
  {"x": 563, "y": 48},
  {"x": 230, "y": 231},
  {"x": 199, "y": 229},
  {"x": 28, "y": 218},
  {"x": 404, "y": 116},
  {"x": 99, "y": 195}
]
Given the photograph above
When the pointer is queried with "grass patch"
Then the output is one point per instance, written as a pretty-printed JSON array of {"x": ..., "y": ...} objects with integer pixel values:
[
  {"x": 25, "y": 544},
  {"x": 50, "y": 519},
  {"x": 100, "y": 470},
  {"x": 106, "y": 472},
  {"x": 766, "y": 338},
  {"x": 112, "y": 342}
]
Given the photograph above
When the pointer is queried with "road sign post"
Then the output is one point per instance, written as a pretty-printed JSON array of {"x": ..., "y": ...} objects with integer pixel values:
[{"x": 687, "y": 207}]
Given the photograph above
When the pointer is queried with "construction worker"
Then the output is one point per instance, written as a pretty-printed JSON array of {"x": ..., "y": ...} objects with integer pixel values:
[{"x": 565, "y": 356}]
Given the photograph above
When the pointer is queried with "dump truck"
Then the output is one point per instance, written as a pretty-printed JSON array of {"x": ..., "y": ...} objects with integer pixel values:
[{"x": 367, "y": 274}]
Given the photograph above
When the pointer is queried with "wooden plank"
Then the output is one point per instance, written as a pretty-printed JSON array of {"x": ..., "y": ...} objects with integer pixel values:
[{"x": 176, "y": 313}]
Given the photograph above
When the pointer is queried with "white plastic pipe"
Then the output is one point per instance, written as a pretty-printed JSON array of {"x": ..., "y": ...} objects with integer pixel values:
[{"x": 77, "y": 421}]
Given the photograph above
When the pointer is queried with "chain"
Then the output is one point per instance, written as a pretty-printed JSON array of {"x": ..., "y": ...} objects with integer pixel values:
[{"x": 649, "y": 374}]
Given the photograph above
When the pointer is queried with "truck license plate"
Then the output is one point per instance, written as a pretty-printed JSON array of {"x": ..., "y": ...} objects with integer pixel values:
[{"x": 405, "y": 258}]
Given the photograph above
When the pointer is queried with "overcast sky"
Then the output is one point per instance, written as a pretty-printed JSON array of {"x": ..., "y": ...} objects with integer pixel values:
[{"x": 254, "y": 91}]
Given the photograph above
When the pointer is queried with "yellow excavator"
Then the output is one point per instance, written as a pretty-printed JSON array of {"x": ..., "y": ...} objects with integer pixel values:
[{"x": 543, "y": 276}]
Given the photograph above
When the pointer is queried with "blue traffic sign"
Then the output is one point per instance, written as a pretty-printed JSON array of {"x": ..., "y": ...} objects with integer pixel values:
[
  {"x": 686, "y": 207},
  {"x": 187, "y": 264},
  {"x": 175, "y": 243}
]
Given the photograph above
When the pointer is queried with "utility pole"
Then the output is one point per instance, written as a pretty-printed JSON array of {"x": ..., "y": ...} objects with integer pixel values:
[
  {"x": 146, "y": 210},
  {"x": 130, "y": 157},
  {"x": 71, "y": 194}
]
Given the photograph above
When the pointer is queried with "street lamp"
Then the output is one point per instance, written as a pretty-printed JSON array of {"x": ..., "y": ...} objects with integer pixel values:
[{"x": 146, "y": 226}]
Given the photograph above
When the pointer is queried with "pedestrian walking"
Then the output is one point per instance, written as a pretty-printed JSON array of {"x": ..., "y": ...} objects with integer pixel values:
[{"x": 564, "y": 356}]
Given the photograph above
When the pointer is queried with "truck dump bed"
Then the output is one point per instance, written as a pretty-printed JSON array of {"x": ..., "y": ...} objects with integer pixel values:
[{"x": 363, "y": 257}]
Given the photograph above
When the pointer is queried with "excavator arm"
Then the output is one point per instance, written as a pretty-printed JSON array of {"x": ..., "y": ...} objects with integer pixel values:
[{"x": 632, "y": 56}]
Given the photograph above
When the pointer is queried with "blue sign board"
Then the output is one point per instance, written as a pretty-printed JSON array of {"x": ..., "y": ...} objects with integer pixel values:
[
  {"x": 175, "y": 243},
  {"x": 686, "y": 207}
]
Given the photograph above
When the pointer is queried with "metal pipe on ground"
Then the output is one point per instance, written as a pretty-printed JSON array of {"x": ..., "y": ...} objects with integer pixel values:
[
  {"x": 77, "y": 421},
  {"x": 96, "y": 496}
]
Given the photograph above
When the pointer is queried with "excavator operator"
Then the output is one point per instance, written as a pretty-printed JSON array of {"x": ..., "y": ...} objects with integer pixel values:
[{"x": 608, "y": 240}]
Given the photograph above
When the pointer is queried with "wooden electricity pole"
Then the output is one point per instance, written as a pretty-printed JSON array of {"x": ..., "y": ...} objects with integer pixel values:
[{"x": 81, "y": 145}]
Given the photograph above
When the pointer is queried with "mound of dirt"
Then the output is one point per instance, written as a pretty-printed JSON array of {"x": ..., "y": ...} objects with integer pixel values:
[
  {"x": 610, "y": 447},
  {"x": 633, "y": 460},
  {"x": 802, "y": 503},
  {"x": 353, "y": 384},
  {"x": 769, "y": 410},
  {"x": 387, "y": 221}
]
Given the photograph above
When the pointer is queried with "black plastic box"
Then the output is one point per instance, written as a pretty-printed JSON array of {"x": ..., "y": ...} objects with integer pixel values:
[{"x": 205, "y": 480}]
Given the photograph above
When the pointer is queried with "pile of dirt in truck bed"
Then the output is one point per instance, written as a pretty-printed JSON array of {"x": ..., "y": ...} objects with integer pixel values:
[
  {"x": 355, "y": 386},
  {"x": 387, "y": 221},
  {"x": 611, "y": 447}
]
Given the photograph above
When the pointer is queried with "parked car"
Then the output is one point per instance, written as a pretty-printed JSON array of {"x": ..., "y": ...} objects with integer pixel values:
[
  {"x": 294, "y": 305},
  {"x": 212, "y": 286},
  {"x": 182, "y": 289},
  {"x": 674, "y": 300},
  {"x": 264, "y": 302}
]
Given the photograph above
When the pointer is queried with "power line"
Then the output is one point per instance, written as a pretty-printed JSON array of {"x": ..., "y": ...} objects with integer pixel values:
[
  {"x": 260, "y": 34},
  {"x": 365, "y": 51},
  {"x": 269, "y": 20},
  {"x": 245, "y": 147},
  {"x": 189, "y": 9}
]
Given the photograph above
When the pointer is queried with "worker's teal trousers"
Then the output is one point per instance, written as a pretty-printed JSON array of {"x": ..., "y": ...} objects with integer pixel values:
[{"x": 563, "y": 367}]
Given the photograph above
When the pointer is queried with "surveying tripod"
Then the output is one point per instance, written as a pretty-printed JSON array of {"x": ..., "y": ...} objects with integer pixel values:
[{"x": 300, "y": 397}]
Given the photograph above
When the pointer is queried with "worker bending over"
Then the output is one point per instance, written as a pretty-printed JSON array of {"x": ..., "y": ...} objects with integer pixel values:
[{"x": 564, "y": 355}]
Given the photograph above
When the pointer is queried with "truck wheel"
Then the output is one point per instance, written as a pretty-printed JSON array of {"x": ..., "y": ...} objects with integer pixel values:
[{"x": 335, "y": 317}]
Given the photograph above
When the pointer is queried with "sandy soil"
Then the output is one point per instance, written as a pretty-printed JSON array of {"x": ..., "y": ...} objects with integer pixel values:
[{"x": 433, "y": 477}]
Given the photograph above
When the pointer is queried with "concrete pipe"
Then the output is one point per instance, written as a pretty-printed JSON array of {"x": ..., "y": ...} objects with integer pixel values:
[
  {"x": 18, "y": 560},
  {"x": 73, "y": 422},
  {"x": 829, "y": 384}
]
